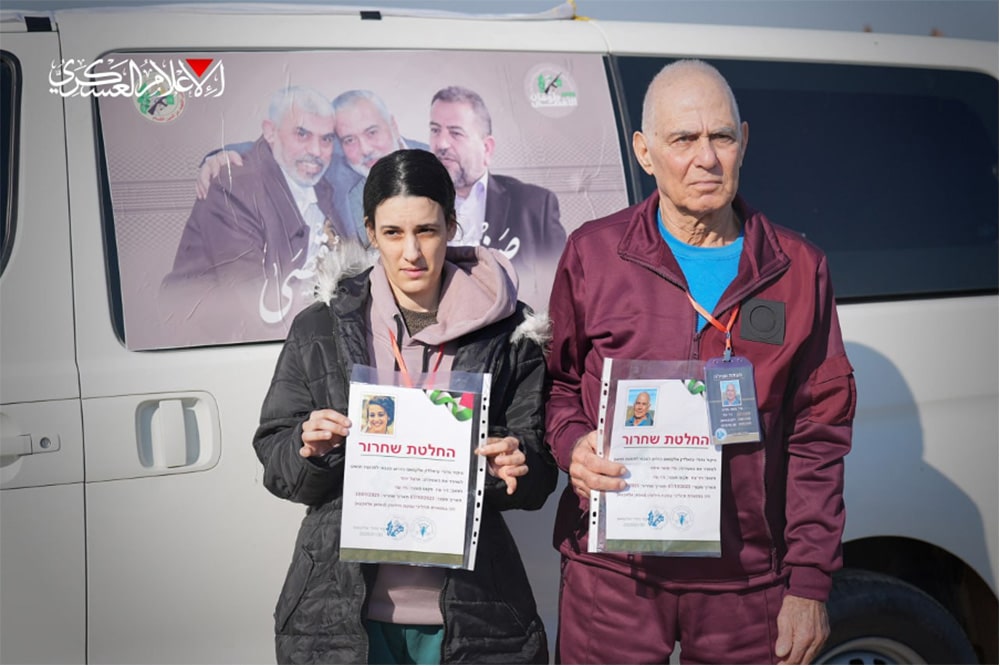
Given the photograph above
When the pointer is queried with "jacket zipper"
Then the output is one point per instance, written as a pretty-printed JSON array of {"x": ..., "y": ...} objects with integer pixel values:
[
  {"x": 366, "y": 639},
  {"x": 763, "y": 503},
  {"x": 444, "y": 618}
]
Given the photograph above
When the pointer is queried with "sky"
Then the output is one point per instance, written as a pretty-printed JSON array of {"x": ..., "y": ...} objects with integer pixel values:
[{"x": 967, "y": 19}]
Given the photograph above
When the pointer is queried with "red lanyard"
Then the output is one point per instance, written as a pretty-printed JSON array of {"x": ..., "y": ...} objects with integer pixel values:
[
  {"x": 727, "y": 329},
  {"x": 402, "y": 364}
]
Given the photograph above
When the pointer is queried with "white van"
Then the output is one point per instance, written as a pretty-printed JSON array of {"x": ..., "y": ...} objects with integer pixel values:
[{"x": 134, "y": 527}]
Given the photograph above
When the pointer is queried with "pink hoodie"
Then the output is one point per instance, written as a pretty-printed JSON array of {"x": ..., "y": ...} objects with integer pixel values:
[{"x": 479, "y": 288}]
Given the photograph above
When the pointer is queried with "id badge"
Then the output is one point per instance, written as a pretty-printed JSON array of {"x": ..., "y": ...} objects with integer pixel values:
[{"x": 732, "y": 401}]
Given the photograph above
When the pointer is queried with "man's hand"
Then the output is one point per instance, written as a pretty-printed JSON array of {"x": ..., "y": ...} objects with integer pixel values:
[
  {"x": 324, "y": 430},
  {"x": 588, "y": 471},
  {"x": 505, "y": 460},
  {"x": 803, "y": 627},
  {"x": 211, "y": 168}
]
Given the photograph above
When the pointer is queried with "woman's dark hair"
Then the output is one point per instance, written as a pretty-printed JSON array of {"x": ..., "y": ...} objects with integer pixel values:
[
  {"x": 412, "y": 173},
  {"x": 386, "y": 403}
]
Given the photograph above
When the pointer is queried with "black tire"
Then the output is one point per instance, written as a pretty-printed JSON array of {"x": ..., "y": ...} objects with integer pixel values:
[{"x": 878, "y": 619}]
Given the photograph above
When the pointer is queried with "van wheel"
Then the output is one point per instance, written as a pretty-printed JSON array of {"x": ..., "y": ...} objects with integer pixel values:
[{"x": 878, "y": 619}]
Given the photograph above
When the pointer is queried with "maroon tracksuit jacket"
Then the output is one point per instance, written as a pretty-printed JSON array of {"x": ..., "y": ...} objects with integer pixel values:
[{"x": 619, "y": 293}]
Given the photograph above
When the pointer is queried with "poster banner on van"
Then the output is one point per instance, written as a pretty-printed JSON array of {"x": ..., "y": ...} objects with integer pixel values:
[
  {"x": 412, "y": 483},
  {"x": 232, "y": 174},
  {"x": 654, "y": 420}
]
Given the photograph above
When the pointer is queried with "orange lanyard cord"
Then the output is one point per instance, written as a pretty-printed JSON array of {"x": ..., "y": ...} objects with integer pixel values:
[
  {"x": 399, "y": 360},
  {"x": 727, "y": 329},
  {"x": 407, "y": 380}
]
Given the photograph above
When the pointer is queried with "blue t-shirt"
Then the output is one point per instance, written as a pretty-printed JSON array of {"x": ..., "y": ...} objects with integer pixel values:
[{"x": 708, "y": 270}]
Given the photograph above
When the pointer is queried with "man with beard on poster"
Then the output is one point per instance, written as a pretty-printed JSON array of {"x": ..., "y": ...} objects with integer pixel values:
[
  {"x": 366, "y": 132},
  {"x": 519, "y": 219},
  {"x": 247, "y": 252}
]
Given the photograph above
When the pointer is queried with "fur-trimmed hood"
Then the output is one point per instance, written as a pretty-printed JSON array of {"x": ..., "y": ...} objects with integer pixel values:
[
  {"x": 536, "y": 327},
  {"x": 345, "y": 260},
  {"x": 350, "y": 259}
]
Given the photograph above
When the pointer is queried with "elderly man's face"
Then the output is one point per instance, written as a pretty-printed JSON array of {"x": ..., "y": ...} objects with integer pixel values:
[
  {"x": 458, "y": 140},
  {"x": 641, "y": 406},
  {"x": 695, "y": 149},
  {"x": 302, "y": 144},
  {"x": 730, "y": 392},
  {"x": 365, "y": 136}
]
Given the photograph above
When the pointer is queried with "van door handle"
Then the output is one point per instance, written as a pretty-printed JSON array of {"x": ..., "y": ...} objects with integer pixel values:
[
  {"x": 26, "y": 445},
  {"x": 151, "y": 434},
  {"x": 169, "y": 435}
]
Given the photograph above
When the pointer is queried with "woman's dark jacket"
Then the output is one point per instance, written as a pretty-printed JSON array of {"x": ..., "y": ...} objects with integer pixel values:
[{"x": 489, "y": 613}]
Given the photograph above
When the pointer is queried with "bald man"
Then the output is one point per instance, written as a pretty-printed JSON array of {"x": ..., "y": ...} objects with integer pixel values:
[{"x": 665, "y": 280}]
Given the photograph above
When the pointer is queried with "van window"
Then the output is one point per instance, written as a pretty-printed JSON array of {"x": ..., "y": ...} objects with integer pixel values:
[
  {"x": 235, "y": 267},
  {"x": 10, "y": 102},
  {"x": 891, "y": 171}
]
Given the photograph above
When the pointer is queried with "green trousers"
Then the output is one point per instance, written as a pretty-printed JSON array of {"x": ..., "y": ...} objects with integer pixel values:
[{"x": 404, "y": 643}]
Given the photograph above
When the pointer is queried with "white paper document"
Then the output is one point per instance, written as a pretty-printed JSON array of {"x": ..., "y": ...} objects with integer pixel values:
[
  {"x": 412, "y": 485},
  {"x": 654, "y": 420}
]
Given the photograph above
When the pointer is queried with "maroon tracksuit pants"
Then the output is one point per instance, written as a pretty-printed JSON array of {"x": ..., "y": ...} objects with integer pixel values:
[{"x": 609, "y": 618}]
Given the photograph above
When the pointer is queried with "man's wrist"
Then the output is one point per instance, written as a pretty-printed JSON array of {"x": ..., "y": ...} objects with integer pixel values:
[
  {"x": 571, "y": 436},
  {"x": 809, "y": 583}
]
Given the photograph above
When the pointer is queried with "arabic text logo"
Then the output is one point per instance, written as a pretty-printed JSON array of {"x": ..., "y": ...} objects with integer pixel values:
[{"x": 149, "y": 78}]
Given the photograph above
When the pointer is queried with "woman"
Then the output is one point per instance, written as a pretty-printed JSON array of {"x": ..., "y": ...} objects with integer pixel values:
[
  {"x": 379, "y": 415},
  {"x": 429, "y": 306}
]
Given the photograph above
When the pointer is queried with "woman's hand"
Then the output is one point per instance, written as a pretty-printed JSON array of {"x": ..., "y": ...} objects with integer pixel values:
[
  {"x": 505, "y": 460},
  {"x": 324, "y": 430}
]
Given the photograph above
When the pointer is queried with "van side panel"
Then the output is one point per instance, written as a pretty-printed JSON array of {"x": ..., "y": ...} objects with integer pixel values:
[{"x": 42, "y": 574}]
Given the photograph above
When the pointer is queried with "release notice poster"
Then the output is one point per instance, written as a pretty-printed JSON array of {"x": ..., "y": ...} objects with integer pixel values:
[
  {"x": 654, "y": 420},
  {"x": 411, "y": 479}
]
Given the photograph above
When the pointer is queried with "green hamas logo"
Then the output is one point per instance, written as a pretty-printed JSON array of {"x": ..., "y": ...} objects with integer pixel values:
[
  {"x": 150, "y": 101},
  {"x": 460, "y": 404},
  {"x": 549, "y": 84},
  {"x": 551, "y": 90}
]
